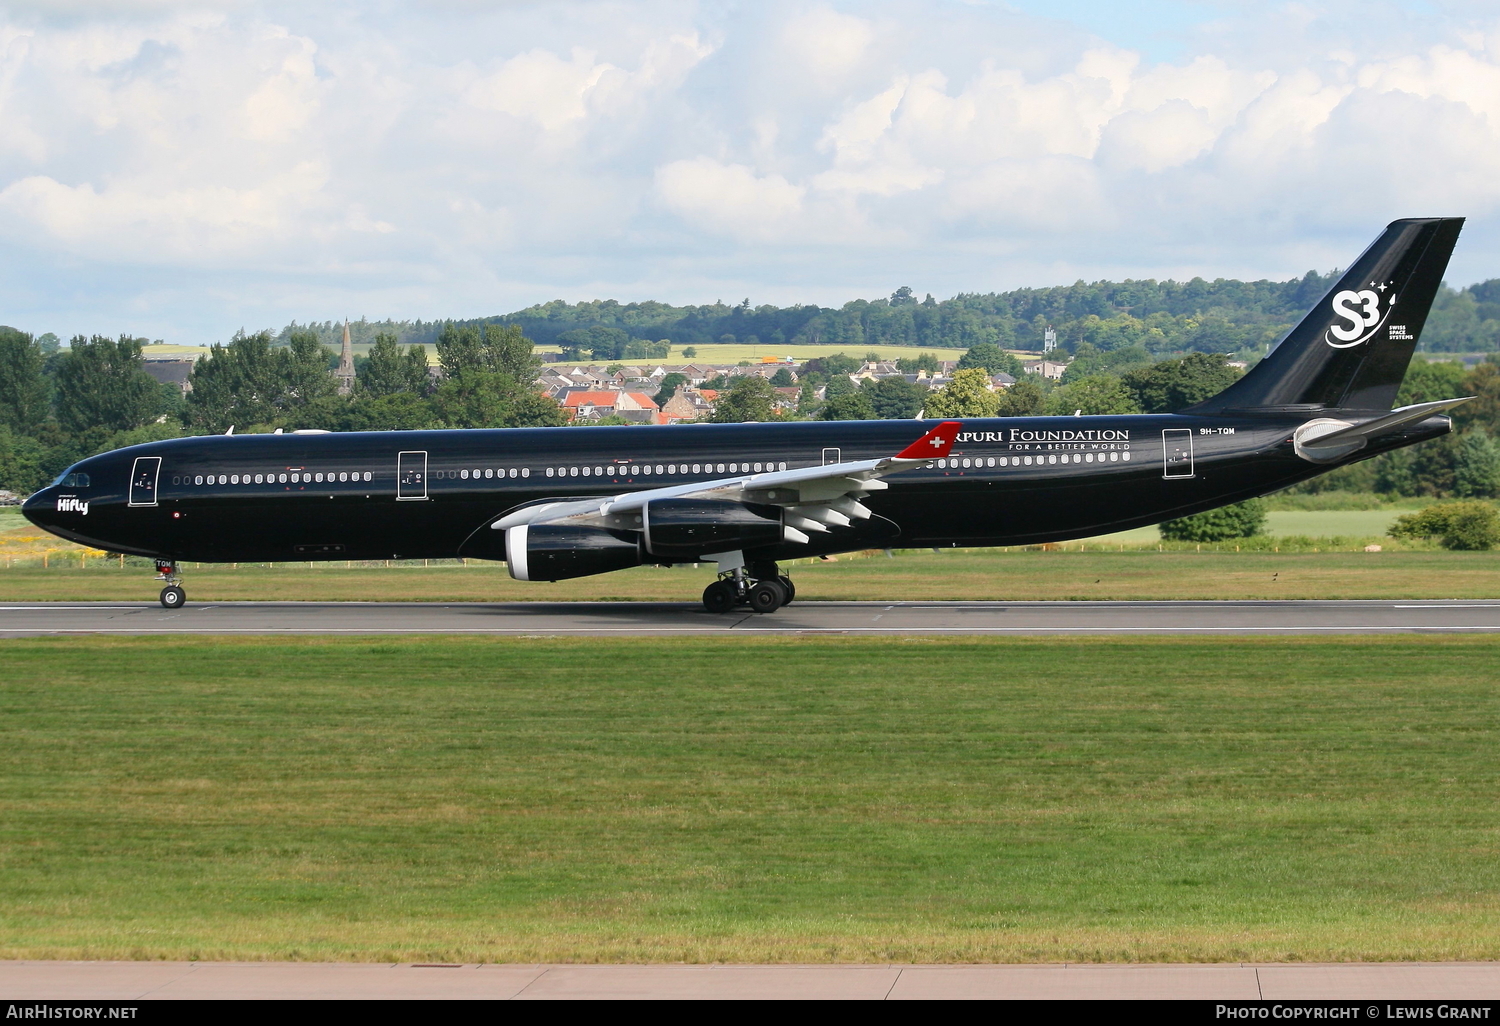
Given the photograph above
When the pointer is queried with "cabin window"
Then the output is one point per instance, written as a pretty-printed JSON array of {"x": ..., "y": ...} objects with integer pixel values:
[
  {"x": 635, "y": 470},
  {"x": 781, "y": 466},
  {"x": 176, "y": 480},
  {"x": 660, "y": 469},
  {"x": 695, "y": 468},
  {"x": 489, "y": 473},
  {"x": 991, "y": 461},
  {"x": 1114, "y": 457},
  {"x": 464, "y": 474},
  {"x": 587, "y": 471},
  {"x": 967, "y": 462},
  {"x": 198, "y": 479},
  {"x": 1026, "y": 460},
  {"x": 525, "y": 472},
  {"x": 1125, "y": 456},
  {"x": 572, "y": 471},
  {"x": 234, "y": 479},
  {"x": 1088, "y": 457},
  {"x": 721, "y": 468}
]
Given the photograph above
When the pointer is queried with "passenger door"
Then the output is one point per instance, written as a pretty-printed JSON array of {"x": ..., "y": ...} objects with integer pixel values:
[
  {"x": 143, "y": 480},
  {"x": 1177, "y": 453},
  {"x": 411, "y": 475}
]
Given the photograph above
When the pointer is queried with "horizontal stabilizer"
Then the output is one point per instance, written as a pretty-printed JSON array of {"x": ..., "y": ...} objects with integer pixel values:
[{"x": 1325, "y": 440}]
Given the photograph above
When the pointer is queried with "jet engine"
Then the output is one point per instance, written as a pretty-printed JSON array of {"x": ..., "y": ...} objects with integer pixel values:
[
  {"x": 558, "y": 552},
  {"x": 685, "y": 529}
]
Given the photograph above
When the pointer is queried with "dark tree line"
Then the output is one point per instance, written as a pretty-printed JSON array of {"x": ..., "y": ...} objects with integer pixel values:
[
  {"x": 1154, "y": 317},
  {"x": 59, "y": 406}
]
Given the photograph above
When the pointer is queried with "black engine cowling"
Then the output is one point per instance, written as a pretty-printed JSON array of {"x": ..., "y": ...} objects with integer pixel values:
[
  {"x": 688, "y": 528},
  {"x": 554, "y": 552}
]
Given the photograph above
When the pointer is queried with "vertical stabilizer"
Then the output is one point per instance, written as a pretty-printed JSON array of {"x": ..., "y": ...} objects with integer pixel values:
[{"x": 1351, "y": 350}]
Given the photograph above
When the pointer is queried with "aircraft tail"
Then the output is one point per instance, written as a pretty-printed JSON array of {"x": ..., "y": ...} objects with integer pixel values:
[{"x": 1351, "y": 350}]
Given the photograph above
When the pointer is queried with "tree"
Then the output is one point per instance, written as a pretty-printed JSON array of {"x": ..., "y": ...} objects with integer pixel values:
[
  {"x": 23, "y": 386},
  {"x": 1099, "y": 394},
  {"x": 750, "y": 398},
  {"x": 1483, "y": 382},
  {"x": 967, "y": 395},
  {"x": 304, "y": 367},
  {"x": 851, "y": 405},
  {"x": 897, "y": 399},
  {"x": 903, "y": 297},
  {"x": 494, "y": 347},
  {"x": 236, "y": 385},
  {"x": 992, "y": 358},
  {"x": 1173, "y": 385},
  {"x": 782, "y": 378},
  {"x": 101, "y": 386},
  {"x": 690, "y": 352},
  {"x": 23, "y": 462},
  {"x": 1476, "y": 471},
  {"x": 1429, "y": 380},
  {"x": 393, "y": 369},
  {"x": 1023, "y": 399},
  {"x": 838, "y": 363},
  {"x": 916, "y": 365},
  {"x": 1469, "y": 526},
  {"x": 1241, "y": 520},
  {"x": 670, "y": 383}
]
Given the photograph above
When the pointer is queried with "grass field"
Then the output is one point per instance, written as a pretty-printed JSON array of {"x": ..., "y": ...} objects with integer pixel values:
[
  {"x": 464, "y": 799},
  {"x": 919, "y": 576},
  {"x": 972, "y": 574}
]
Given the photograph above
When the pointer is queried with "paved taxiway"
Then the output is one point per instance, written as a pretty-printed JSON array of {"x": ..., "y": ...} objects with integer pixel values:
[
  {"x": 648, "y": 618},
  {"x": 125, "y": 981}
]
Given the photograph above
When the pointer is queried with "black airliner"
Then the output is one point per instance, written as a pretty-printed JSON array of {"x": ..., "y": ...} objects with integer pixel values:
[{"x": 556, "y": 503}]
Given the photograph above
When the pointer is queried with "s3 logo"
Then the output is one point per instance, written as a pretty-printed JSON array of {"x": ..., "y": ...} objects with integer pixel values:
[{"x": 1359, "y": 317}]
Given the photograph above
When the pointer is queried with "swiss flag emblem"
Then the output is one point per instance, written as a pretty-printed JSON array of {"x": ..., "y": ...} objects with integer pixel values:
[{"x": 935, "y": 444}]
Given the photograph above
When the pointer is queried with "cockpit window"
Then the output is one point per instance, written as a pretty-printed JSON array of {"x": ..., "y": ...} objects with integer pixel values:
[{"x": 73, "y": 479}]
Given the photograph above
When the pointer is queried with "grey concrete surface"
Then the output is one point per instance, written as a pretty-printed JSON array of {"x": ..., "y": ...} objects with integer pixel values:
[
  {"x": 648, "y": 618},
  {"x": 126, "y": 981}
]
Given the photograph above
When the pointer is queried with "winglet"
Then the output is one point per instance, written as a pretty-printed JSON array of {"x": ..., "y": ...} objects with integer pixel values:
[{"x": 934, "y": 444}]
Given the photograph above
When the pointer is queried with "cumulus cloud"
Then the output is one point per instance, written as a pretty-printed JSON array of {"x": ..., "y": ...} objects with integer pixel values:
[{"x": 190, "y": 167}]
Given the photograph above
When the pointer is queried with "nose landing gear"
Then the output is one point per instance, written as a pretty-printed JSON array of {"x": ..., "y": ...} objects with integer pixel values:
[
  {"x": 172, "y": 596},
  {"x": 761, "y": 586}
]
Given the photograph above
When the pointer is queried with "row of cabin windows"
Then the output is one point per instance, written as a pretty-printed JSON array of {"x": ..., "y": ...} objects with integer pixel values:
[
  {"x": 637, "y": 469},
  {"x": 476, "y": 473},
  {"x": 954, "y": 463},
  {"x": 291, "y": 477}
]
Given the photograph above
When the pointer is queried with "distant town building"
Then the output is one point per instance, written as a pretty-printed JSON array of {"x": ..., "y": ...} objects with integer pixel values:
[
  {"x": 1046, "y": 368},
  {"x": 171, "y": 370}
]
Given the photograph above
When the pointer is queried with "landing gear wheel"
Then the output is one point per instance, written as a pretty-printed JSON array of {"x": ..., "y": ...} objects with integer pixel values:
[
  {"x": 789, "y": 588},
  {"x": 719, "y": 597},
  {"x": 172, "y": 596},
  {"x": 767, "y": 597}
]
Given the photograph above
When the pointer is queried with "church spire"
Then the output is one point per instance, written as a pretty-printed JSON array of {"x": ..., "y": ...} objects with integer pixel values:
[{"x": 345, "y": 373}]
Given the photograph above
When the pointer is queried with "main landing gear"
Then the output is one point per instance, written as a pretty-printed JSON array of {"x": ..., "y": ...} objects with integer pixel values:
[
  {"x": 761, "y": 586},
  {"x": 172, "y": 596}
]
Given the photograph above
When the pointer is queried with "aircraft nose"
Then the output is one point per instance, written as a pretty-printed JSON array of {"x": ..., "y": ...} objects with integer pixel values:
[{"x": 40, "y": 508}]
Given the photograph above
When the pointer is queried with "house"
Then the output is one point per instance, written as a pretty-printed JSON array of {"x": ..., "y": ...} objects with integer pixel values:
[
  {"x": 1046, "y": 368},
  {"x": 171, "y": 371},
  {"x": 587, "y": 404}
]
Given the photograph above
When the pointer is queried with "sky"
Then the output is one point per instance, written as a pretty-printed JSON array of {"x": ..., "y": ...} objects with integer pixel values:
[{"x": 183, "y": 170}]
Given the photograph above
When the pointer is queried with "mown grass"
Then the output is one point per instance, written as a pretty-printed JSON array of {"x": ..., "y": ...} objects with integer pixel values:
[
  {"x": 972, "y": 574},
  {"x": 750, "y": 800}
]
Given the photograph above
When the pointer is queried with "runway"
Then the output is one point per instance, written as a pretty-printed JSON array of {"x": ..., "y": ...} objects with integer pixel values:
[
  {"x": 155, "y": 981},
  {"x": 852, "y": 618}
]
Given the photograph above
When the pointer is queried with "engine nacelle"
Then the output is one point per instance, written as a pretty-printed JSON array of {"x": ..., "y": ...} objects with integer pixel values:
[
  {"x": 688, "y": 528},
  {"x": 555, "y": 552}
]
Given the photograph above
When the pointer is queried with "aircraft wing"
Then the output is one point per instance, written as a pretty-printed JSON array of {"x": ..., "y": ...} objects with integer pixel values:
[{"x": 814, "y": 499}]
